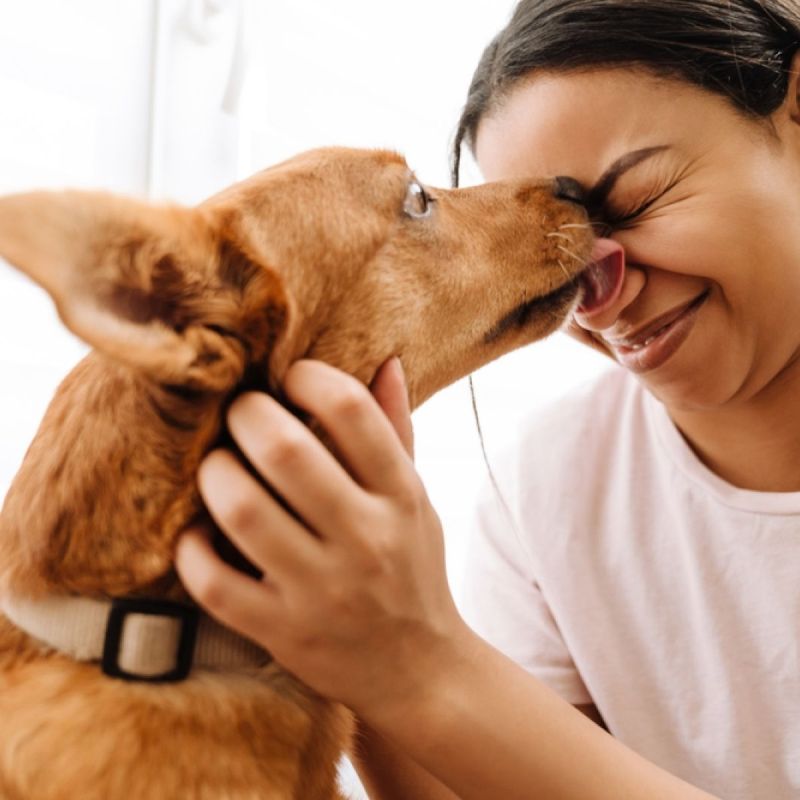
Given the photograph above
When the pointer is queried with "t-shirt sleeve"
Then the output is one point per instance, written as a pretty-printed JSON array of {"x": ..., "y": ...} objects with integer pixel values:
[{"x": 503, "y": 603}]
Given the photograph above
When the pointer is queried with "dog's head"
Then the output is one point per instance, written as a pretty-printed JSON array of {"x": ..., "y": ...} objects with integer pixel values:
[{"x": 337, "y": 254}]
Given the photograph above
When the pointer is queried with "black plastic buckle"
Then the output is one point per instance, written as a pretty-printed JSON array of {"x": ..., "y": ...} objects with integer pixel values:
[{"x": 121, "y": 607}]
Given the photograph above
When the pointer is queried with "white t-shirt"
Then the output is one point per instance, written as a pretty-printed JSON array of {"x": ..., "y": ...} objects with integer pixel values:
[{"x": 634, "y": 578}]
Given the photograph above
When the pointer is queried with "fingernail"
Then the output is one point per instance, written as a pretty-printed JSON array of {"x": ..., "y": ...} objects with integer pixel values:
[{"x": 398, "y": 367}]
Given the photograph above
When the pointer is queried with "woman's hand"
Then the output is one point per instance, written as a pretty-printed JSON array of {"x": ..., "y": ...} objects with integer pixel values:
[{"x": 354, "y": 599}]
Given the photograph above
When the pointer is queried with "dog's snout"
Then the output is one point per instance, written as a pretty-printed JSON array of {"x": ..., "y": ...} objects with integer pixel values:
[{"x": 566, "y": 188}]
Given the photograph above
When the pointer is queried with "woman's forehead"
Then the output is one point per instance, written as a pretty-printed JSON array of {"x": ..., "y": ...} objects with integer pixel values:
[{"x": 578, "y": 123}]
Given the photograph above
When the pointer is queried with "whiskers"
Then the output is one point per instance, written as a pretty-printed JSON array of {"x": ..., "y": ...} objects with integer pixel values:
[
  {"x": 595, "y": 227},
  {"x": 569, "y": 252},
  {"x": 564, "y": 270},
  {"x": 584, "y": 225},
  {"x": 556, "y": 234}
]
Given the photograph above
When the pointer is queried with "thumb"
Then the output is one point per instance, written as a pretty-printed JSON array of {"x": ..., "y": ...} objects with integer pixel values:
[{"x": 389, "y": 389}]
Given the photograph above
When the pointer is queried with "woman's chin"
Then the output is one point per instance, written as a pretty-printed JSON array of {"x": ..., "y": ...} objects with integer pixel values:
[{"x": 691, "y": 393}]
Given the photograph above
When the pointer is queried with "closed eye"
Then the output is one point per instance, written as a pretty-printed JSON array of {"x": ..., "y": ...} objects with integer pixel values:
[{"x": 616, "y": 220}]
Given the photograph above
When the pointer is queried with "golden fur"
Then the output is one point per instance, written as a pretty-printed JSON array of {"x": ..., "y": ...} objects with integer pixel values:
[{"x": 184, "y": 308}]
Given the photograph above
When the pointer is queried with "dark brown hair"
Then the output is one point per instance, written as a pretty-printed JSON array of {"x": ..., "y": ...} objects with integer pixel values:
[{"x": 741, "y": 49}]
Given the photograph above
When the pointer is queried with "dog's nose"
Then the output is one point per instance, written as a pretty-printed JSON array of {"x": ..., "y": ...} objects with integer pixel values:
[{"x": 566, "y": 188}]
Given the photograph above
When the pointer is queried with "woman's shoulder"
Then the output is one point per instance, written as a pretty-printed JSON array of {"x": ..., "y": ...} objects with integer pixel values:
[
  {"x": 588, "y": 419},
  {"x": 577, "y": 440},
  {"x": 557, "y": 470},
  {"x": 561, "y": 428}
]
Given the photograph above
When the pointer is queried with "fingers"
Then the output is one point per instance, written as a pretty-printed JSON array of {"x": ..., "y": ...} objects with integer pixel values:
[
  {"x": 293, "y": 461},
  {"x": 363, "y": 435},
  {"x": 235, "y": 599},
  {"x": 388, "y": 387},
  {"x": 303, "y": 472},
  {"x": 266, "y": 533},
  {"x": 354, "y": 566}
]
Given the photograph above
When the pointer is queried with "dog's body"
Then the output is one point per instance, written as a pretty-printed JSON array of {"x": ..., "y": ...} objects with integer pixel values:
[{"x": 336, "y": 255}]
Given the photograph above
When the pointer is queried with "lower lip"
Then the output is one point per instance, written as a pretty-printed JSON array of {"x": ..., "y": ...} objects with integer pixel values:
[{"x": 664, "y": 346}]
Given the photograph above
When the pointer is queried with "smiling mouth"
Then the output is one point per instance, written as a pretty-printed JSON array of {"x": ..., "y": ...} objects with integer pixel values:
[
  {"x": 554, "y": 305},
  {"x": 649, "y": 333},
  {"x": 655, "y": 344}
]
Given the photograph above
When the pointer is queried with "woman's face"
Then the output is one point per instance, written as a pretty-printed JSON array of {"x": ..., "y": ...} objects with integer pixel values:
[{"x": 713, "y": 259}]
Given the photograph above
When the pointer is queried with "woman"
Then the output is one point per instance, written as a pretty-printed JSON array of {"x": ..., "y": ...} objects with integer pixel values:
[{"x": 649, "y": 573}]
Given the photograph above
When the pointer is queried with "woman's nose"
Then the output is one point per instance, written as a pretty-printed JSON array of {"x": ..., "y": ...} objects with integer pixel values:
[{"x": 566, "y": 188}]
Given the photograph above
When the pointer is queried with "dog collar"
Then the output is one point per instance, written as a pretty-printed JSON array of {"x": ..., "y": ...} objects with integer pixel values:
[{"x": 135, "y": 639}]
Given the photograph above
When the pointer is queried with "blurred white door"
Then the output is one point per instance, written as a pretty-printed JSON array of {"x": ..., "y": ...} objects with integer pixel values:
[{"x": 131, "y": 96}]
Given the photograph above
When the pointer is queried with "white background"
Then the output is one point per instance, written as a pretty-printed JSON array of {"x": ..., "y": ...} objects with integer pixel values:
[{"x": 176, "y": 98}]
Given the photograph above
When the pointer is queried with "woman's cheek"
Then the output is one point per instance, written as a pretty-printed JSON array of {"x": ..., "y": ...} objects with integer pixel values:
[{"x": 635, "y": 281}]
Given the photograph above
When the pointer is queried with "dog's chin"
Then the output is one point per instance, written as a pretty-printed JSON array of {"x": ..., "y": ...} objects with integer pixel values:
[
  {"x": 554, "y": 309},
  {"x": 538, "y": 317}
]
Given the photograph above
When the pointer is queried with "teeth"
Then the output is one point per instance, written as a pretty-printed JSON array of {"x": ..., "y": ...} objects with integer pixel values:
[
  {"x": 632, "y": 345},
  {"x": 647, "y": 341}
]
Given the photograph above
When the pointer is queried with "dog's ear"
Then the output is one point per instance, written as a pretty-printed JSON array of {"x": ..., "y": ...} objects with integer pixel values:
[{"x": 157, "y": 288}]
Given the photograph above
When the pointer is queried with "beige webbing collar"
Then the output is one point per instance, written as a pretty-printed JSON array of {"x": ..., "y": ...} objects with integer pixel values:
[{"x": 132, "y": 638}]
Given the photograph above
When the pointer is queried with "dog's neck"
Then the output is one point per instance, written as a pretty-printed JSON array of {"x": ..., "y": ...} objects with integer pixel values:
[
  {"x": 134, "y": 639},
  {"x": 97, "y": 505}
]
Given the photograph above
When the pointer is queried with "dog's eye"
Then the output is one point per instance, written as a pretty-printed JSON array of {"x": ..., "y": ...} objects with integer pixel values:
[{"x": 418, "y": 202}]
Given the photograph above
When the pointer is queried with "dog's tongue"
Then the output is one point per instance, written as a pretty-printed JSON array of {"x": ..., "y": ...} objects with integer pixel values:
[{"x": 602, "y": 279}]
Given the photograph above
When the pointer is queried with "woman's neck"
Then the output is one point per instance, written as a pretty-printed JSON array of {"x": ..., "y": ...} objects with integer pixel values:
[{"x": 754, "y": 444}]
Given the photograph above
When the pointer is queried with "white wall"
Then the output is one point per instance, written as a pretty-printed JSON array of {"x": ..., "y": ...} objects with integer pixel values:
[
  {"x": 78, "y": 98},
  {"x": 142, "y": 96},
  {"x": 129, "y": 96},
  {"x": 74, "y": 89},
  {"x": 395, "y": 75},
  {"x": 122, "y": 95}
]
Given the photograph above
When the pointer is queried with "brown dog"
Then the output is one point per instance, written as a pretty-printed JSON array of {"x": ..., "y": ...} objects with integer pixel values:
[{"x": 338, "y": 255}]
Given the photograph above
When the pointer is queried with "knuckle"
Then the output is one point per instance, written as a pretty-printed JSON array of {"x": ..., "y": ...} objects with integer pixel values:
[
  {"x": 383, "y": 552},
  {"x": 282, "y": 450},
  {"x": 208, "y": 589},
  {"x": 235, "y": 508},
  {"x": 337, "y": 596},
  {"x": 380, "y": 550},
  {"x": 351, "y": 399},
  {"x": 410, "y": 497},
  {"x": 347, "y": 603}
]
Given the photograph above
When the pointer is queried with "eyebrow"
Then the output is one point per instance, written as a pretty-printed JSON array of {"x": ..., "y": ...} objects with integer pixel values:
[{"x": 599, "y": 193}]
